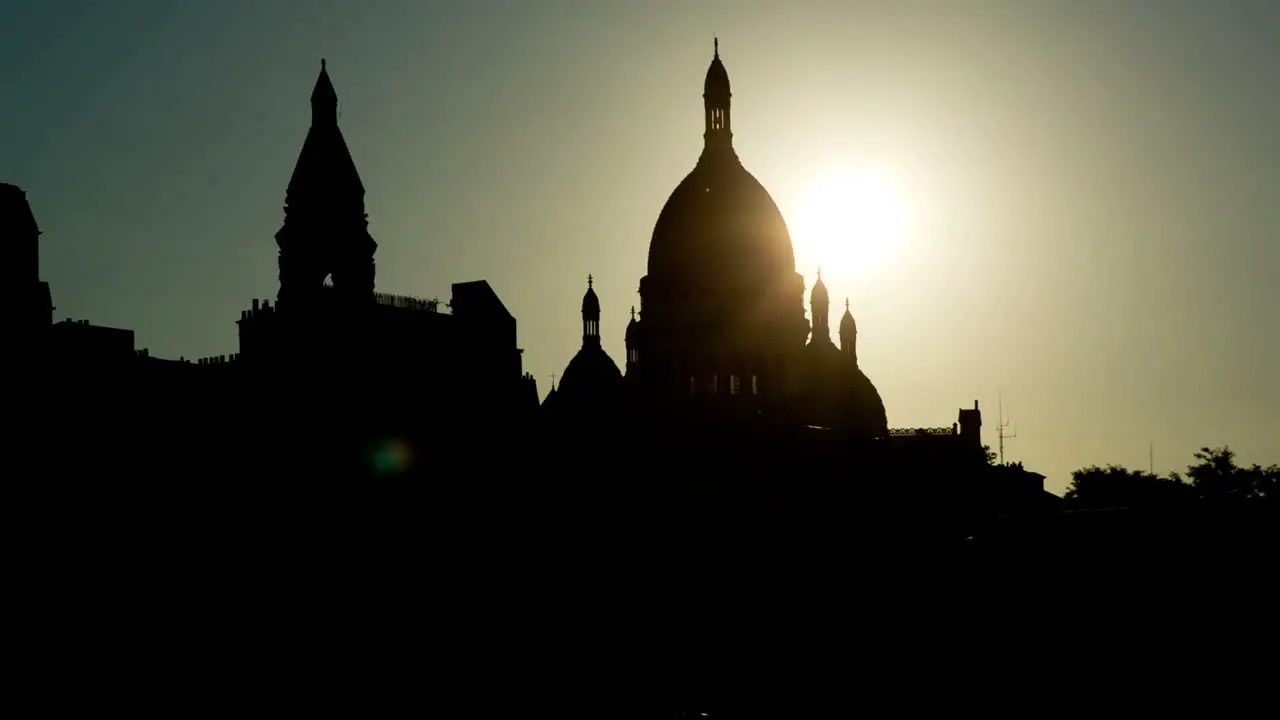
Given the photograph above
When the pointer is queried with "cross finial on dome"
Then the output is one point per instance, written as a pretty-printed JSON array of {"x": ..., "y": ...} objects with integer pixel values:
[{"x": 589, "y": 279}]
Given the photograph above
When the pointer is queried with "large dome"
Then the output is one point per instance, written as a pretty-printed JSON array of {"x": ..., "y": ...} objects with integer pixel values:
[
  {"x": 720, "y": 222},
  {"x": 720, "y": 219}
]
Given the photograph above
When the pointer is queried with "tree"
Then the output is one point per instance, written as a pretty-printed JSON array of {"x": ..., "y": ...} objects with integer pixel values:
[
  {"x": 989, "y": 454},
  {"x": 1214, "y": 478},
  {"x": 1217, "y": 478},
  {"x": 1115, "y": 486}
]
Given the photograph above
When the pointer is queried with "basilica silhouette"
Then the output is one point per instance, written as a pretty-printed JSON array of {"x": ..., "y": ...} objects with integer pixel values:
[{"x": 721, "y": 333}]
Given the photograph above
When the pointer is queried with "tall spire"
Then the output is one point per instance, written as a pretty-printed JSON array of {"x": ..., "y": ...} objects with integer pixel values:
[{"x": 717, "y": 41}]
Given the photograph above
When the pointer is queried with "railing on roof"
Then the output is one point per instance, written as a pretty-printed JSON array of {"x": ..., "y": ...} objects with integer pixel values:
[
  {"x": 408, "y": 302},
  {"x": 916, "y": 432}
]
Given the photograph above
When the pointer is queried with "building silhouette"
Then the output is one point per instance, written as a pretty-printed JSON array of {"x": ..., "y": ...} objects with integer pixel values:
[
  {"x": 719, "y": 357},
  {"x": 327, "y": 314},
  {"x": 721, "y": 334}
]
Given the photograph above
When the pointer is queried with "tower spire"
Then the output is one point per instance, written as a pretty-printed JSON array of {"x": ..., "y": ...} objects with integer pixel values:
[
  {"x": 324, "y": 99},
  {"x": 717, "y": 45}
]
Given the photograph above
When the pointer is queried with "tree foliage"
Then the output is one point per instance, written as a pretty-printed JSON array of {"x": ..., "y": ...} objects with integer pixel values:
[
  {"x": 1214, "y": 478},
  {"x": 1217, "y": 478}
]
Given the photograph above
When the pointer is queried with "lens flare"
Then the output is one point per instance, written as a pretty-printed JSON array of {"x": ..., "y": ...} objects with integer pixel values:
[{"x": 392, "y": 457}]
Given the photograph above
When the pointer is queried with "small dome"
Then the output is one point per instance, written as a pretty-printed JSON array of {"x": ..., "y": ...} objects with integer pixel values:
[
  {"x": 717, "y": 82},
  {"x": 819, "y": 295},
  {"x": 839, "y": 394},
  {"x": 847, "y": 325},
  {"x": 631, "y": 326},
  {"x": 590, "y": 302}
]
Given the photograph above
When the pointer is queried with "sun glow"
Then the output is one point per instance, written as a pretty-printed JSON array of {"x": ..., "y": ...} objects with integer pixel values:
[{"x": 850, "y": 222}]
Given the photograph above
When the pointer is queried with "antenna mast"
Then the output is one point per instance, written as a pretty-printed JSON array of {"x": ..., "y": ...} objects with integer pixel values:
[{"x": 1000, "y": 427}]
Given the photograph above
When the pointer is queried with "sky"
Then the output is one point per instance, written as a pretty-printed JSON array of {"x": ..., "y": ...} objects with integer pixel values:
[{"x": 1088, "y": 193}]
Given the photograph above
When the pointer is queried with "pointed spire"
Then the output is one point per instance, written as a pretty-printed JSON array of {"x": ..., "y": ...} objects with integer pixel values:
[
  {"x": 589, "y": 280},
  {"x": 819, "y": 273},
  {"x": 717, "y": 41},
  {"x": 633, "y": 313},
  {"x": 324, "y": 99},
  {"x": 846, "y": 304}
]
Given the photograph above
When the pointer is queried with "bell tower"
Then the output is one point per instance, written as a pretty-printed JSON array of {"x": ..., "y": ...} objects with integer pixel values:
[{"x": 325, "y": 234}]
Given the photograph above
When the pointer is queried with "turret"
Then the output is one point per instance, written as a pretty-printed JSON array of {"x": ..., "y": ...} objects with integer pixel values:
[
  {"x": 590, "y": 316},
  {"x": 633, "y": 350},
  {"x": 820, "y": 304},
  {"x": 849, "y": 335}
]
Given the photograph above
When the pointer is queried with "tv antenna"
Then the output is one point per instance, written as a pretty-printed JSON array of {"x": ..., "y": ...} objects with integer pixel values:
[{"x": 1000, "y": 428}]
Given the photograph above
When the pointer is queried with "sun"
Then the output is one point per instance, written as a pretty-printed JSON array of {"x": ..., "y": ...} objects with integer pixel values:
[{"x": 850, "y": 222}]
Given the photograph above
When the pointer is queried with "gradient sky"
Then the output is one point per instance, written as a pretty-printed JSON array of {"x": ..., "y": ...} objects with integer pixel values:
[{"x": 1095, "y": 186}]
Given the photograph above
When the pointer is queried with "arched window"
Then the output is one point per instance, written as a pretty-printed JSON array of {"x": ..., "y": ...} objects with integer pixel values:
[
  {"x": 755, "y": 385},
  {"x": 735, "y": 386}
]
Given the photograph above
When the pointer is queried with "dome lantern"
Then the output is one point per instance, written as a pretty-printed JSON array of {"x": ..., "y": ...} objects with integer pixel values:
[{"x": 590, "y": 315}]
